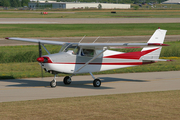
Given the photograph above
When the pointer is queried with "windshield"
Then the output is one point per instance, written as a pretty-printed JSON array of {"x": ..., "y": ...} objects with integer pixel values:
[{"x": 70, "y": 48}]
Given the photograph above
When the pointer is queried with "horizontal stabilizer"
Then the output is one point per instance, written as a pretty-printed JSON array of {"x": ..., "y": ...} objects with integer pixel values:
[{"x": 156, "y": 60}]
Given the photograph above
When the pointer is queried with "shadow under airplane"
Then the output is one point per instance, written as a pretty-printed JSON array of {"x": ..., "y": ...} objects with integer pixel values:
[{"x": 88, "y": 84}]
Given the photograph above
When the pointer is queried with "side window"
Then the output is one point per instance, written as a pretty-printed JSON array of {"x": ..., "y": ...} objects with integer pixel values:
[
  {"x": 87, "y": 52},
  {"x": 98, "y": 52}
]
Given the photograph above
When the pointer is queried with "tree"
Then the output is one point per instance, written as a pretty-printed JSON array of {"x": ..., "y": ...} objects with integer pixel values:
[
  {"x": 0, "y": 2},
  {"x": 14, "y": 3},
  {"x": 24, "y": 2},
  {"x": 5, "y": 3},
  {"x": 37, "y": 3},
  {"x": 99, "y": 6}
]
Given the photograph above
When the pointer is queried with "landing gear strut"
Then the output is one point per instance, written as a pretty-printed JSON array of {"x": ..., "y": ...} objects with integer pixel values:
[
  {"x": 53, "y": 82},
  {"x": 96, "y": 82}
]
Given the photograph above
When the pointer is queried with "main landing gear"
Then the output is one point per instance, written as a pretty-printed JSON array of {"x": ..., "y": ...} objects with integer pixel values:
[
  {"x": 96, "y": 82},
  {"x": 67, "y": 81}
]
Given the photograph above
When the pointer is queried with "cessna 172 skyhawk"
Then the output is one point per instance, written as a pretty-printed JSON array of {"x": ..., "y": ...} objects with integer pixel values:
[{"x": 75, "y": 58}]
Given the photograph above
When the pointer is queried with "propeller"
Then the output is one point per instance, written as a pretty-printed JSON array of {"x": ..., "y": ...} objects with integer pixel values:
[{"x": 40, "y": 59}]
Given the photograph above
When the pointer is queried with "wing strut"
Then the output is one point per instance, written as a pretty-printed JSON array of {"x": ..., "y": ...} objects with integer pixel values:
[
  {"x": 46, "y": 49},
  {"x": 82, "y": 39},
  {"x": 91, "y": 60},
  {"x": 96, "y": 39}
]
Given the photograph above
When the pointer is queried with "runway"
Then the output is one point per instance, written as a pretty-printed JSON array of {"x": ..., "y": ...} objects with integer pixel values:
[
  {"x": 36, "y": 88},
  {"x": 86, "y": 20}
]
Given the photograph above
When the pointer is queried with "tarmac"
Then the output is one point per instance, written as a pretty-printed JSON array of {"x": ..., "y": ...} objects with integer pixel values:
[
  {"x": 86, "y": 20},
  {"x": 38, "y": 88}
]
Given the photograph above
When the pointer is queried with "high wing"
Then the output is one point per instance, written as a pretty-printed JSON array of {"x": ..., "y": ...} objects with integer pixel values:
[
  {"x": 120, "y": 44},
  {"x": 85, "y": 44},
  {"x": 36, "y": 41}
]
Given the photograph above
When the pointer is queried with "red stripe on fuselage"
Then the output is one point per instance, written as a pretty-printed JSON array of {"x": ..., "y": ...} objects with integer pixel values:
[
  {"x": 125, "y": 63},
  {"x": 131, "y": 55}
]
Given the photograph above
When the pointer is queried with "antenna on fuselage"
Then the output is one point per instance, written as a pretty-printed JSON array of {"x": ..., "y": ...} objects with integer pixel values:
[
  {"x": 96, "y": 39},
  {"x": 82, "y": 39}
]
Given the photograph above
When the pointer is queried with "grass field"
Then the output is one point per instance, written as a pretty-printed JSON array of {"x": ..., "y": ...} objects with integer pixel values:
[
  {"x": 12, "y": 56},
  {"x": 33, "y": 69},
  {"x": 93, "y": 14},
  {"x": 29, "y": 53},
  {"x": 73, "y": 30},
  {"x": 136, "y": 106},
  {"x": 20, "y": 61}
]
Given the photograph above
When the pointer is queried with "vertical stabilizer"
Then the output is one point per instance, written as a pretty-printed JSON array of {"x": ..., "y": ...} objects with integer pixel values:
[{"x": 157, "y": 37}]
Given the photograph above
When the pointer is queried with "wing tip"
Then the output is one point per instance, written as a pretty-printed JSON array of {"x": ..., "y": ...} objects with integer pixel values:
[
  {"x": 170, "y": 60},
  {"x": 7, "y": 37},
  {"x": 157, "y": 44}
]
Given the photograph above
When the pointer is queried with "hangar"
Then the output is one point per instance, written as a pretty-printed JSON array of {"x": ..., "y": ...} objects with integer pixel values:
[{"x": 74, "y": 5}]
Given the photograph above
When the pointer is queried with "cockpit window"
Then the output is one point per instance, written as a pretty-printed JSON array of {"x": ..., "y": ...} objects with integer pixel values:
[
  {"x": 70, "y": 48},
  {"x": 87, "y": 52}
]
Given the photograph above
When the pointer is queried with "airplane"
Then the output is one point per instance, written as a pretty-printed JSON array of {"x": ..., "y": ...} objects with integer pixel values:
[{"x": 76, "y": 58}]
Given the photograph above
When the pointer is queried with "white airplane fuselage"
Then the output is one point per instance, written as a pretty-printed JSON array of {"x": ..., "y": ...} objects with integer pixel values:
[{"x": 65, "y": 62}]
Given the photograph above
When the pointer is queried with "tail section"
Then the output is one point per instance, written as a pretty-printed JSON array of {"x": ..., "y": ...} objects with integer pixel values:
[{"x": 157, "y": 37}]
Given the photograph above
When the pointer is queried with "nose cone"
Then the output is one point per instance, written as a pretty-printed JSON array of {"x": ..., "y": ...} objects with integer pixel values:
[{"x": 40, "y": 59}]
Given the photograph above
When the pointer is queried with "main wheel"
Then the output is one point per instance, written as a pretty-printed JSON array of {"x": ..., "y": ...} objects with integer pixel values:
[
  {"x": 96, "y": 83},
  {"x": 67, "y": 80},
  {"x": 53, "y": 83}
]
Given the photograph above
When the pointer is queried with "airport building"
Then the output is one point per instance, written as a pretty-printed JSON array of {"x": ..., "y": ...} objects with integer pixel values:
[
  {"x": 171, "y": 2},
  {"x": 75, "y": 5}
]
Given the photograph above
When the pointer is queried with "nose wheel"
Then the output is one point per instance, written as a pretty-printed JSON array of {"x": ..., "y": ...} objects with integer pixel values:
[{"x": 53, "y": 83}]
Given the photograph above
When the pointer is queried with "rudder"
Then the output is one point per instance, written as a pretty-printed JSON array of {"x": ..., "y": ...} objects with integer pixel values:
[{"x": 157, "y": 37}]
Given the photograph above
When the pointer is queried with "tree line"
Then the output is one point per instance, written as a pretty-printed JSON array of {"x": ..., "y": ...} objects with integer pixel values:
[{"x": 14, "y": 3}]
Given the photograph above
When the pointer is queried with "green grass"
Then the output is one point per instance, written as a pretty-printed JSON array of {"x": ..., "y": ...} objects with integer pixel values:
[
  {"x": 12, "y": 55},
  {"x": 164, "y": 13},
  {"x": 134, "y": 106},
  {"x": 29, "y": 53},
  {"x": 73, "y": 30},
  {"x": 33, "y": 69},
  {"x": 20, "y": 61}
]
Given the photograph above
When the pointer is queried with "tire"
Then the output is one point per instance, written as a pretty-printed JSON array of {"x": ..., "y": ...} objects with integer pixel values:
[
  {"x": 67, "y": 80},
  {"x": 96, "y": 83},
  {"x": 53, "y": 84}
]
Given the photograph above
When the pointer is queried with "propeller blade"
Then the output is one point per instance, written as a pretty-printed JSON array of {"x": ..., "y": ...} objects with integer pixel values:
[
  {"x": 40, "y": 54},
  {"x": 40, "y": 50}
]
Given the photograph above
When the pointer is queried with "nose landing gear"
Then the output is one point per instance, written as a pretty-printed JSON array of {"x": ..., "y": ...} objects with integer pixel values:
[{"x": 53, "y": 82}]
